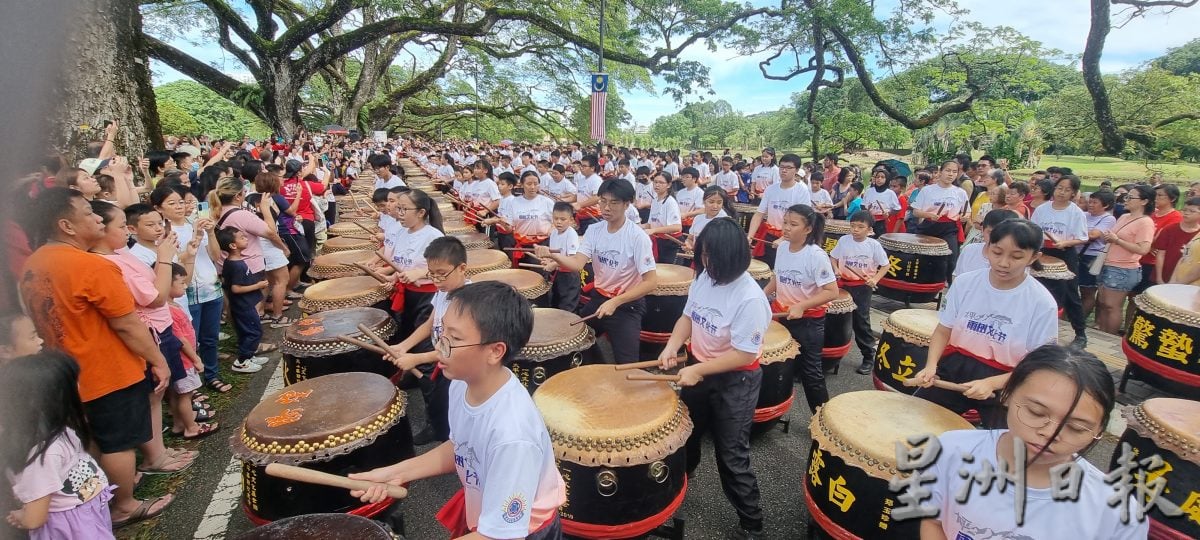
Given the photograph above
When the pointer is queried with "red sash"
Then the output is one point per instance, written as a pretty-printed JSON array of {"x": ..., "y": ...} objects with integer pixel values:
[
  {"x": 522, "y": 242},
  {"x": 453, "y": 515},
  {"x": 607, "y": 294},
  {"x": 760, "y": 248},
  {"x": 398, "y": 294},
  {"x": 748, "y": 367},
  {"x": 810, "y": 313},
  {"x": 957, "y": 224},
  {"x": 661, "y": 236}
]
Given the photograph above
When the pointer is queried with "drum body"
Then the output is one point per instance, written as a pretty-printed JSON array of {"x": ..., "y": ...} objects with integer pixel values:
[
  {"x": 457, "y": 228},
  {"x": 776, "y": 394},
  {"x": 1167, "y": 427},
  {"x": 357, "y": 291},
  {"x": 619, "y": 445},
  {"x": 340, "y": 264},
  {"x": 319, "y": 527},
  {"x": 761, "y": 272},
  {"x": 1163, "y": 335},
  {"x": 530, "y": 284},
  {"x": 339, "y": 424},
  {"x": 486, "y": 260},
  {"x": 554, "y": 347},
  {"x": 355, "y": 229},
  {"x": 853, "y": 456},
  {"x": 473, "y": 241},
  {"x": 311, "y": 349},
  {"x": 834, "y": 230},
  {"x": 903, "y": 348},
  {"x": 745, "y": 212},
  {"x": 665, "y": 305},
  {"x": 348, "y": 243},
  {"x": 1055, "y": 276},
  {"x": 839, "y": 329},
  {"x": 917, "y": 271}
]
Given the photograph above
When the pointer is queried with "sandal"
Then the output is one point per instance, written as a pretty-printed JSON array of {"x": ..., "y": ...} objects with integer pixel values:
[
  {"x": 266, "y": 348},
  {"x": 163, "y": 467},
  {"x": 266, "y": 318},
  {"x": 293, "y": 295},
  {"x": 205, "y": 416},
  {"x": 220, "y": 386},
  {"x": 198, "y": 397},
  {"x": 206, "y": 429},
  {"x": 282, "y": 322},
  {"x": 144, "y": 511},
  {"x": 200, "y": 406}
]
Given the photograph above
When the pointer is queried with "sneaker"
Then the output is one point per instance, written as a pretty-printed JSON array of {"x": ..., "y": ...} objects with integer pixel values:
[
  {"x": 245, "y": 366},
  {"x": 1080, "y": 342},
  {"x": 222, "y": 336},
  {"x": 259, "y": 360},
  {"x": 865, "y": 368}
]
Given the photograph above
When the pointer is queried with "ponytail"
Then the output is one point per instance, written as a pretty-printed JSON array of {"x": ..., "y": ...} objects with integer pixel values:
[{"x": 816, "y": 223}]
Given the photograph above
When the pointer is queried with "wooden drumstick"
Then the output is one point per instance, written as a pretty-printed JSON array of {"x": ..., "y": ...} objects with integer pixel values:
[
  {"x": 363, "y": 345},
  {"x": 384, "y": 345},
  {"x": 938, "y": 383},
  {"x": 640, "y": 365},
  {"x": 782, "y": 315},
  {"x": 379, "y": 277},
  {"x": 652, "y": 377},
  {"x": 388, "y": 261},
  {"x": 309, "y": 476},
  {"x": 364, "y": 227},
  {"x": 528, "y": 265},
  {"x": 530, "y": 250},
  {"x": 581, "y": 321}
]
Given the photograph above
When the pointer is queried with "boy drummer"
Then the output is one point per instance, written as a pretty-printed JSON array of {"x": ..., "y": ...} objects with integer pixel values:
[{"x": 623, "y": 263}]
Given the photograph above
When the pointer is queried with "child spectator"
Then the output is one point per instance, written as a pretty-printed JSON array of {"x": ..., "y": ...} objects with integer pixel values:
[
  {"x": 244, "y": 290},
  {"x": 18, "y": 337},
  {"x": 188, "y": 423},
  {"x": 1168, "y": 245}
]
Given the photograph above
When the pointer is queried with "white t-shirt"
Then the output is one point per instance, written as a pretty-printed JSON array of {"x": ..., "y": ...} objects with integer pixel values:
[
  {"x": 482, "y": 192},
  {"x": 557, "y": 189},
  {"x": 566, "y": 242},
  {"x": 702, "y": 220},
  {"x": 729, "y": 181},
  {"x": 1001, "y": 325},
  {"x": 589, "y": 186},
  {"x": 951, "y": 200},
  {"x": 672, "y": 168},
  {"x": 644, "y": 193},
  {"x": 690, "y": 199},
  {"x": 994, "y": 515},
  {"x": 863, "y": 257},
  {"x": 505, "y": 462},
  {"x": 821, "y": 197},
  {"x": 618, "y": 259},
  {"x": 204, "y": 275},
  {"x": 531, "y": 217},
  {"x": 970, "y": 259},
  {"x": 777, "y": 199},
  {"x": 876, "y": 202},
  {"x": 799, "y": 274},
  {"x": 664, "y": 212},
  {"x": 764, "y": 176},
  {"x": 445, "y": 171},
  {"x": 392, "y": 182},
  {"x": 1069, "y": 223},
  {"x": 408, "y": 247},
  {"x": 727, "y": 317},
  {"x": 440, "y": 303}
]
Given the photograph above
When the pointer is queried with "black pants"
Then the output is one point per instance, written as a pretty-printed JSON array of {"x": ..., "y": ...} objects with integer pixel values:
[
  {"x": 310, "y": 236},
  {"x": 623, "y": 327},
  {"x": 723, "y": 405},
  {"x": 960, "y": 368},
  {"x": 551, "y": 531},
  {"x": 809, "y": 332},
  {"x": 1070, "y": 301},
  {"x": 418, "y": 307},
  {"x": 247, "y": 327},
  {"x": 667, "y": 250},
  {"x": 863, "y": 336},
  {"x": 585, "y": 222},
  {"x": 564, "y": 290},
  {"x": 879, "y": 227}
]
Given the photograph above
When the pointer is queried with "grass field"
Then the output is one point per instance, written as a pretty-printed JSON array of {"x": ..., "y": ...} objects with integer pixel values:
[{"x": 1100, "y": 168}]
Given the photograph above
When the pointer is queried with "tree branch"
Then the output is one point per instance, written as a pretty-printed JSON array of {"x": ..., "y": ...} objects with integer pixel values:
[
  {"x": 316, "y": 22},
  {"x": 1110, "y": 136},
  {"x": 244, "y": 57},
  {"x": 224, "y": 13},
  {"x": 212, "y": 78},
  {"x": 1148, "y": 4},
  {"x": 263, "y": 10}
]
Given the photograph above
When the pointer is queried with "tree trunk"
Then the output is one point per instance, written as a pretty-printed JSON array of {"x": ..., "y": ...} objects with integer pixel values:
[
  {"x": 1110, "y": 134},
  {"x": 104, "y": 56},
  {"x": 281, "y": 99}
]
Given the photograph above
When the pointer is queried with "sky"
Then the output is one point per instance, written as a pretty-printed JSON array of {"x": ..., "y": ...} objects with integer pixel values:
[{"x": 1058, "y": 24}]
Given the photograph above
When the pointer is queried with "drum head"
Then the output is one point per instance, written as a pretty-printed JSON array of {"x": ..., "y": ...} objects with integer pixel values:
[
  {"x": 527, "y": 282},
  {"x": 1178, "y": 302},
  {"x": 915, "y": 243},
  {"x": 456, "y": 228},
  {"x": 759, "y": 270},
  {"x": 350, "y": 257},
  {"x": 319, "y": 527},
  {"x": 595, "y": 416},
  {"x": 844, "y": 303},
  {"x": 342, "y": 288},
  {"x": 1173, "y": 424},
  {"x": 863, "y": 427},
  {"x": 778, "y": 345},
  {"x": 554, "y": 335},
  {"x": 319, "y": 418},
  {"x": 912, "y": 325},
  {"x": 475, "y": 241},
  {"x": 483, "y": 260},
  {"x": 673, "y": 280},
  {"x": 318, "y": 333},
  {"x": 342, "y": 243},
  {"x": 354, "y": 228}
]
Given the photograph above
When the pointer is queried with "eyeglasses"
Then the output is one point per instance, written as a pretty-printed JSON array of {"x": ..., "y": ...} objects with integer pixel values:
[
  {"x": 1071, "y": 433},
  {"x": 406, "y": 209},
  {"x": 606, "y": 203},
  {"x": 1135, "y": 198},
  {"x": 438, "y": 278},
  {"x": 445, "y": 348}
]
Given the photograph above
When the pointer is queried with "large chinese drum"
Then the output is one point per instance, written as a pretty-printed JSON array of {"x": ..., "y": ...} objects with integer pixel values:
[
  {"x": 357, "y": 291},
  {"x": 917, "y": 271},
  {"x": 349, "y": 243},
  {"x": 559, "y": 342},
  {"x": 320, "y": 527},
  {"x": 903, "y": 348},
  {"x": 486, "y": 260},
  {"x": 311, "y": 347},
  {"x": 341, "y": 264},
  {"x": 1161, "y": 338},
  {"x": 339, "y": 424},
  {"x": 619, "y": 445},
  {"x": 530, "y": 284},
  {"x": 760, "y": 272},
  {"x": 835, "y": 229},
  {"x": 853, "y": 455},
  {"x": 776, "y": 394},
  {"x": 839, "y": 330},
  {"x": 1170, "y": 428},
  {"x": 664, "y": 307}
]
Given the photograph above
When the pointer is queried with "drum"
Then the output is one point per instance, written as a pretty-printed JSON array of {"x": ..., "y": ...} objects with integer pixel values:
[
  {"x": 745, "y": 212},
  {"x": 356, "y": 291},
  {"x": 1170, "y": 428},
  {"x": 619, "y": 445},
  {"x": 761, "y": 273},
  {"x": 903, "y": 348},
  {"x": 353, "y": 229},
  {"x": 349, "y": 243},
  {"x": 918, "y": 267},
  {"x": 339, "y": 424},
  {"x": 340, "y": 264},
  {"x": 311, "y": 347},
  {"x": 834, "y": 229},
  {"x": 530, "y": 284},
  {"x": 778, "y": 376},
  {"x": 1161, "y": 337},
  {"x": 664, "y": 306},
  {"x": 473, "y": 241},
  {"x": 1054, "y": 275},
  {"x": 554, "y": 346},
  {"x": 853, "y": 455},
  {"x": 456, "y": 228},
  {"x": 486, "y": 260},
  {"x": 839, "y": 330},
  {"x": 319, "y": 527}
]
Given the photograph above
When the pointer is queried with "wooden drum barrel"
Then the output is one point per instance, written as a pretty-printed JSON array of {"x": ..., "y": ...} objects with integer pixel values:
[
  {"x": 1161, "y": 339},
  {"x": 311, "y": 347},
  {"x": 1170, "y": 428},
  {"x": 555, "y": 346},
  {"x": 776, "y": 394},
  {"x": 839, "y": 330},
  {"x": 917, "y": 271}
]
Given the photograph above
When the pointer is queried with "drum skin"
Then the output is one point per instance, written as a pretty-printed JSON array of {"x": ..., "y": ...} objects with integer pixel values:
[
  {"x": 310, "y": 348},
  {"x": 530, "y": 284},
  {"x": 903, "y": 348},
  {"x": 1174, "y": 422},
  {"x": 319, "y": 527}
]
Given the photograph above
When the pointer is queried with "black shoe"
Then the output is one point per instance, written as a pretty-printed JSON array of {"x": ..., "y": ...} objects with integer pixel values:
[
  {"x": 865, "y": 368},
  {"x": 744, "y": 534},
  {"x": 1080, "y": 342},
  {"x": 423, "y": 437}
]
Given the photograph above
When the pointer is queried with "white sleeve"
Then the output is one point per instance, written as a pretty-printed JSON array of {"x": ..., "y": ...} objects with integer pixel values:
[
  {"x": 893, "y": 200},
  {"x": 513, "y": 471},
  {"x": 880, "y": 255},
  {"x": 643, "y": 254},
  {"x": 587, "y": 245},
  {"x": 492, "y": 192},
  {"x": 1043, "y": 325},
  {"x": 822, "y": 271},
  {"x": 949, "y": 313},
  {"x": 750, "y": 324},
  {"x": 762, "y": 205},
  {"x": 1079, "y": 224},
  {"x": 572, "y": 244},
  {"x": 839, "y": 252},
  {"x": 671, "y": 214}
]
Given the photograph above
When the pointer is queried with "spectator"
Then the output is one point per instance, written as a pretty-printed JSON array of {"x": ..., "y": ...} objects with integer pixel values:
[{"x": 1168, "y": 245}]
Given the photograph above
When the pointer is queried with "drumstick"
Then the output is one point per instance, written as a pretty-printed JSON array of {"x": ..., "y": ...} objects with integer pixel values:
[
  {"x": 364, "y": 227},
  {"x": 580, "y": 321},
  {"x": 552, "y": 250},
  {"x": 652, "y": 377},
  {"x": 369, "y": 272},
  {"x": 639, "y": 365},
  {"x": 782, "y": 315},
  {"x": 527, "y": 265},
  {"x": 383, "y": 345},
  {"x": 309, "y": 476},
  {"x": 938, "y": 383},
  {"x": 362, "y": 345},
  {"x": 673, "y": 239},
  {"x": 389, "y": 261}
]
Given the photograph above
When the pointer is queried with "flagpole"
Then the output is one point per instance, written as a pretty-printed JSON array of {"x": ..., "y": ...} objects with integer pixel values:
[{"x": 600, "y": 66}]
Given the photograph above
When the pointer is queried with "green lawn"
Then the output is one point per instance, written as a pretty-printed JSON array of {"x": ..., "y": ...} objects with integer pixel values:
[{"x": 1094, "y": 170}]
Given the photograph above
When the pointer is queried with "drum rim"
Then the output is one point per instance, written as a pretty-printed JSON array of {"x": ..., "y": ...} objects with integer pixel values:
[
  {"x": 910, "y": 335},
  {"x": 249, "y": 449},
  {"x": 370, "y": 296},
  {"x": 1151, "y": 301},
  {"x": 843, "y": 304},
  {"x": 763, "y": 269},
  {"x": 582, "y": 340},
  {"x": 1147, "y": 424},
  {"x": 534, "y": 290},
  {"x": 338, "y": 519},
  {"x": 502, "y": 261},
  {"x": 777, "y": 352},
  {"x": 894, "y": 242},
  {"x": 677, "y": 286},
  {"x": 328, "y": 347}
]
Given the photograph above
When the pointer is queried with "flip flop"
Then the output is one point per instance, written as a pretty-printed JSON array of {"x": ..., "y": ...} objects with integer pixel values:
[
  {"x": 144, "y": 512},
  {"x": 220, "y": 386},
  {"x": 205, "y": 430},
  {"x": 204, "y": 416},
  {"x": 168, "y": 460}
]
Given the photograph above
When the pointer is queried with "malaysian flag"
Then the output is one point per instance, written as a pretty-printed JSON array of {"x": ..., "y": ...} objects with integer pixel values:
[{"x": 599, "y": 100}]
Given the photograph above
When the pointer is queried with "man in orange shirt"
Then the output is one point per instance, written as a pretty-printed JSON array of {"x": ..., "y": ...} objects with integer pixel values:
[{"x": 81, "y": 306}]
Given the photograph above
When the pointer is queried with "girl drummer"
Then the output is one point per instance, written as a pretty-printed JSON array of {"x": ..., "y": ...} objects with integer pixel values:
[
  {"x": 531, "y": 215},
  {"x": 1058, "y": 402},
  {"x": 420, "y": 222},
  {"x": 665, "y": 223},
  {"x": 880, "y": 200},
  {"x": 803, "y": 284},
  {"x": 726, "y": 317},
  {"x": 990, "y": 320},
  {"x": 973, "y": 256},
  {"x": 717, "y": 204},
  {"x": 942, "y": 206}
]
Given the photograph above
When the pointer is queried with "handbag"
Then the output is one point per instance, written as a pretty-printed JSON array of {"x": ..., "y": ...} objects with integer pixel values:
[{"x": 1098, "y": 263}]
